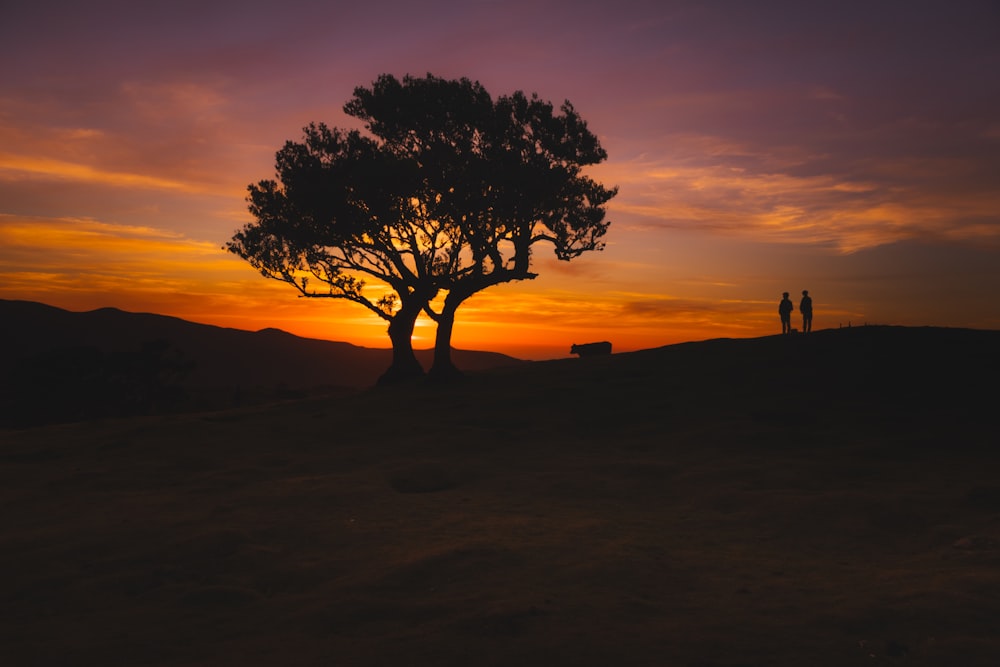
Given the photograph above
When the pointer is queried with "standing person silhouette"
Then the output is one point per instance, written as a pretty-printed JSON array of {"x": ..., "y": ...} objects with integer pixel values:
[
  {"x": 806, "y": 308},
  {"x": 785, "y": 309}
]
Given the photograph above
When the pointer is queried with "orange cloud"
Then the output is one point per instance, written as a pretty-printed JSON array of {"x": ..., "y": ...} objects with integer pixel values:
[
  {"x": 21, "y": 166},
  {"x": 180, "y": 136},
  {"x": 777, "y": 205}
]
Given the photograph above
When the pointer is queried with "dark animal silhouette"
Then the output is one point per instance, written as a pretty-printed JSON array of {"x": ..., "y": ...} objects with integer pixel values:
[{"x": 591, "y": 349}]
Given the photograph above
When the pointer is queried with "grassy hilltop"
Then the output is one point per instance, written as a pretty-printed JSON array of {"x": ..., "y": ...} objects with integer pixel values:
[{"x": 823, "y": 499}]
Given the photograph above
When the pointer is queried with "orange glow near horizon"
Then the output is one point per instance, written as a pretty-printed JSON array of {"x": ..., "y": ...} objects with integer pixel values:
[
  {"x": 94, "y": 265},
  {"x": 85, "y": 264}
]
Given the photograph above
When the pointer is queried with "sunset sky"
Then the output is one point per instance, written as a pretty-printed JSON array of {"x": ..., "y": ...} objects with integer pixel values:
[{"x": 847, "y": 148}]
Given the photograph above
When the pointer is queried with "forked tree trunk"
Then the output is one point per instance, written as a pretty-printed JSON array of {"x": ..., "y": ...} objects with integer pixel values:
[
  {"x": 404, "y": 362},
  {"x": 443, "y": 368}
]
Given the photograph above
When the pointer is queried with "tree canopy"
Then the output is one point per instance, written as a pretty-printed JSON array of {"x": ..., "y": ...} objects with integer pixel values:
[{"x": 445, "y": 194}]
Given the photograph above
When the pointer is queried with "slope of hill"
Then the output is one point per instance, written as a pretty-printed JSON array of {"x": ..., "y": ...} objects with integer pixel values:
[
  {"x": 827, "y": 500},
  {"x": 59, "y": 364}
]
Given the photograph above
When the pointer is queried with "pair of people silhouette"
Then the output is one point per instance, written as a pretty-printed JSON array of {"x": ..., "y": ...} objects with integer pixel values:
[{"x": 786, "y": 307}]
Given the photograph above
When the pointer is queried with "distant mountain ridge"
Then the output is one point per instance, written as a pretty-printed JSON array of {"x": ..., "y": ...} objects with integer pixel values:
[{"x": 231, "y": 365}]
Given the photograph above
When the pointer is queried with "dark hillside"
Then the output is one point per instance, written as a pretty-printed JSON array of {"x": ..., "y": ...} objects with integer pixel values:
[
  {"x": 828, "y": 500},
  {"x": 59, "y": 365},
  {"x": 909, "y": 379}
]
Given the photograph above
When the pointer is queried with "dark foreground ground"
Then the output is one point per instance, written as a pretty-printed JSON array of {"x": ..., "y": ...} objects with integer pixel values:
[{"x": 830, "y": 499}]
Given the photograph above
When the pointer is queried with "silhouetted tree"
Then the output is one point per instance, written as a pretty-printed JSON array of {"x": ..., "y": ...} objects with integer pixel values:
[
  {"x": 344, "y": 209},
  {"x": 500, "y": 177},
  {"x": 446, "y": 198}
]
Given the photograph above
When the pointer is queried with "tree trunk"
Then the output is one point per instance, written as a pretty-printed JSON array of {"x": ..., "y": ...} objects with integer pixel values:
[
  {"x": 404, "y": 362},
  {"x": 443, "y": 368}
]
